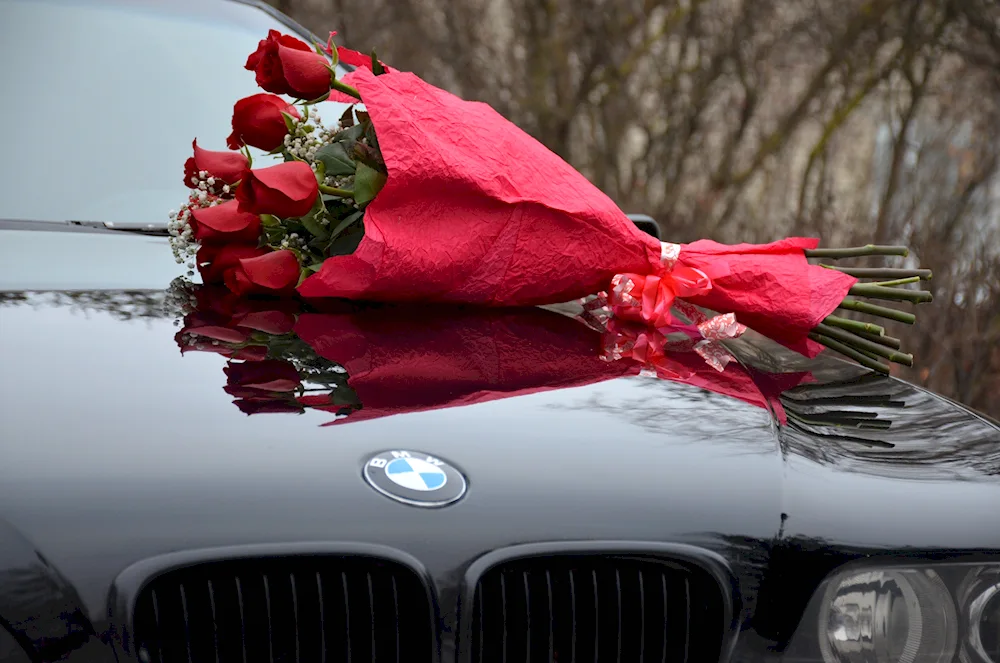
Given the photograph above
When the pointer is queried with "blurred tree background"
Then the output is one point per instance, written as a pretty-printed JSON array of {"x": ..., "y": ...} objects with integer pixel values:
[{"x": 748, "y": 120}]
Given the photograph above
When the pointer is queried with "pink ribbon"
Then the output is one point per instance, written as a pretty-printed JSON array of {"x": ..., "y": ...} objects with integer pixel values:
[{"x": 648, "y": 300}]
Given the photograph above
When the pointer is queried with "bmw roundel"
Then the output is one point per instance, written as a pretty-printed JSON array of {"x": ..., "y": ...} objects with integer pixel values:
[{"x": 414, "y": 478}]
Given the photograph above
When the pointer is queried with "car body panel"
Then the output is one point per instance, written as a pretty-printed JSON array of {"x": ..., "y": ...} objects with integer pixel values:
[{"x": 118, "y": 449}]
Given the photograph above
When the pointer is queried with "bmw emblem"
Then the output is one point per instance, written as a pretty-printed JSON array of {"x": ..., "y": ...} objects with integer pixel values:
[{"x": 415, "y": 478}]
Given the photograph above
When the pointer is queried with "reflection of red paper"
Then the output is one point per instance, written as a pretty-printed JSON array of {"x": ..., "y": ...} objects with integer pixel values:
[
  {"x": 402, "y": 359},
  {"x": 476, "y": 211},
  {"x": 406, "y": 362},
  {"x": 750, "y": 386},
  {"x": 679, "y": 362}
]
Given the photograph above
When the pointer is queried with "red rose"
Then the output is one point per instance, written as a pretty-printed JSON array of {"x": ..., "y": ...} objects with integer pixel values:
[
  {"x": 267, "y": 375},
  {"x": 286, "y": 190},
  {"x": 246, "y": 269},
  {"x": 225, "y": 223},
  {"x": 214, "y": 261},
  {"x": 257, "y": 122},
  {"x": 226, "y": 166},
  {"x": 286, "y": 65},
  {"x": 275, "y": 271}
]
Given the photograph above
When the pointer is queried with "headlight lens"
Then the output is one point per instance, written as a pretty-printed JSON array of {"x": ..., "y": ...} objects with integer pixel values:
[
  {"x": 888, "y": 616},
  {"x": 924, "y": 612},
  {"x": 979, "y": 597}
]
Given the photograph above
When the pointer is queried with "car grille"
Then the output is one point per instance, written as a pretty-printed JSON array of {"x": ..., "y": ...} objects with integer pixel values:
[
  {"x": 580, "y": 608},
  {"x": 285, "y": 609}
]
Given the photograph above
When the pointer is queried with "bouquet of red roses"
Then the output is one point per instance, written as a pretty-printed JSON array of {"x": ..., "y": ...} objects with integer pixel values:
[{"x": 423, "y": 197}]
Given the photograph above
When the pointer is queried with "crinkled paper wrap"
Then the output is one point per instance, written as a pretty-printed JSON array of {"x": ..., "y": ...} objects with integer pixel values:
[{"x": 476, "y": 211}]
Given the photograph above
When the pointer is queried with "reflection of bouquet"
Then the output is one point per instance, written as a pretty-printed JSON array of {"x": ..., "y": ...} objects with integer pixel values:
[
  {"x": 370, "y": 362},
  {"x": 427, "y": 198},
  {"x": 270, "y": 368}
]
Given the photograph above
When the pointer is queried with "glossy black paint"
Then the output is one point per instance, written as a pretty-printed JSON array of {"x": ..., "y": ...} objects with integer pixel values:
[{"x": 117, "y": 449}]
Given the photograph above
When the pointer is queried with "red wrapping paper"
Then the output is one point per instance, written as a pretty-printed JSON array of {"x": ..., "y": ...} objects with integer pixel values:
[
  {"x": 476, "y": 211},
  {"x": 772, "y": 288}
]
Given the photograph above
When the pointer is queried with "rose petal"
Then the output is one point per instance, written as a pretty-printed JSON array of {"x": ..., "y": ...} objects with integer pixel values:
[{"x": 277, "y": 270}]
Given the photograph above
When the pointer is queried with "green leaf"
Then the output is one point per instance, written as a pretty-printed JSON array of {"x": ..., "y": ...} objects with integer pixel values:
[
  {"x": 269, "y": 220},
  {"x": 367, "y": 183},
  {"x": 313, "y": 226},
  {"x": 340, "y": 227},
  {"x": 350, "y": 135},
  {"x": 364, "y": 117},
  {"x": 348, "y": 242},
  {"x": 289, "y": 121},
  {"x": 377, "y": 67},
  {"x": 334, "y": 157}
]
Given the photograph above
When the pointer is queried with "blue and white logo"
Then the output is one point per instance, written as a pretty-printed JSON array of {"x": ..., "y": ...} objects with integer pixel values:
[
  {"x": 416, "y": 474},
  {"x": 415, "y": 478}
]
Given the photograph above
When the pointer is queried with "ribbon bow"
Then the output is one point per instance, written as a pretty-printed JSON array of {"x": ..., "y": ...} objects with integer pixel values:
[{"x": 648, "y": 299}]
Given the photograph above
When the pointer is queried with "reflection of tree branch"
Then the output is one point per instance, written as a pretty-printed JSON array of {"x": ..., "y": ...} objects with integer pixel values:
[
  {"x": 121, "y": 304},
  {"x": 659, "y": 413}
]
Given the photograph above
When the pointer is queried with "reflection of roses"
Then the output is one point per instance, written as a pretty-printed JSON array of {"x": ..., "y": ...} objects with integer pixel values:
[
  {"x": 264, "y": 376},
  {"x": 263, "y": 386},
  {"x": 222, "y": 323}
]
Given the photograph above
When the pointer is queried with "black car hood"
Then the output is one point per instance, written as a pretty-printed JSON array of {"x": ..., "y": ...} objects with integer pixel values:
[{"x": 117, "y": 448}]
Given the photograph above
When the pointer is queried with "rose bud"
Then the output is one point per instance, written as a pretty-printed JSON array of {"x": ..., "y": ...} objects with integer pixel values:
[
  {"x": 224, "y": 223},
  {"x": 286, "y": 190},
  {"x": 226, "y": 166},
  {"x": 257, "y": 122},
  {"x": 215, "y": 260},
  {"x": 286, "y": 65},
  {"x": 274, "y": 272},
  {"x": 246, "y": 269},
  {"x": 267, "y": 375}
]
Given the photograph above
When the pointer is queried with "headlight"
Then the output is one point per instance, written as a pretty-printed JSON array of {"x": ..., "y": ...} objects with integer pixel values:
[
  {"x": 918, "y": 613},
  {"x": 888, "y": 616},
  {"x": 979, "y": 596}
]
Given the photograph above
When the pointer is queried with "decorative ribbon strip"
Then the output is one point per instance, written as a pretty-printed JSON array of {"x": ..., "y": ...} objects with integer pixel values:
[
  {"x": 647, "y": 347},
  {"x": 648, "y": 300}
]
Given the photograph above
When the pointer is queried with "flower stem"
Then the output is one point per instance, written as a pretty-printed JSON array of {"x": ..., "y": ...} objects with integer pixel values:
[
  {"x": 334, "y": 191},
  {"x": 890, "y": 284},
  {"x": 887, "y": 341},
  {"x": 854, "y": 325},
  {"x": 879, "y": 311},
  {"x": 346, "y": 89},
  {"x": 864, "y": 345},
  {"x": 881, "y": 272},
  {"x": 848, "y": 351},
  {"x": 858, "y": 251},
  {"x": 896, "y": 294}
]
